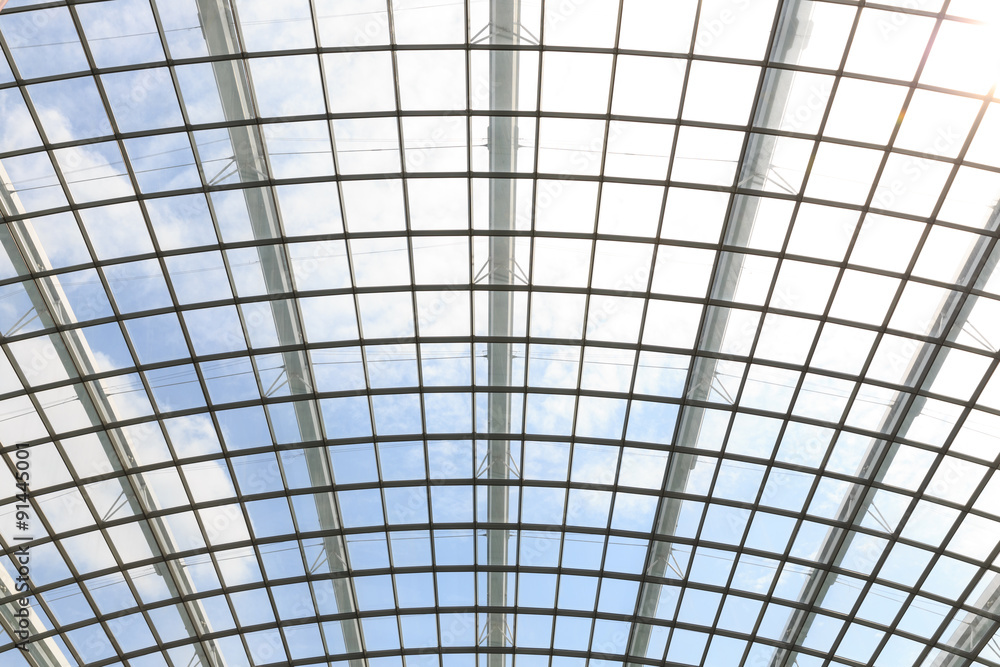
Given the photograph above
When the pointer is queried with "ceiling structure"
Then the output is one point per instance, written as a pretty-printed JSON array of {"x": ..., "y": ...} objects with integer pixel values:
[{"x": 509, "y": 333}]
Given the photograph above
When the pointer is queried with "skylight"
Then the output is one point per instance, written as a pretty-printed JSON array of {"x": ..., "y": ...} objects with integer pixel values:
[{"x": 500, "y": 333}]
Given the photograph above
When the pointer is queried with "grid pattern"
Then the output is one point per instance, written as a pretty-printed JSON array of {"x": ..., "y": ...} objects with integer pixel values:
[{"x": 244, "y": 296}]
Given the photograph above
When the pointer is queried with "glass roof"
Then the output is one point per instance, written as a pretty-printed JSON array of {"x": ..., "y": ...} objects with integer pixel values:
[{"x": 500, "y": 333}]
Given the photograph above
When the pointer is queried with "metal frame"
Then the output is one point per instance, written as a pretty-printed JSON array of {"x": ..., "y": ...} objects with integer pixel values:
[{"x": 501, "y": 391}]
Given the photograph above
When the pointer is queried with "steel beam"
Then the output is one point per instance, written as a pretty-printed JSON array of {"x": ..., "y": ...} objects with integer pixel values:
[
  {"x": 857, "y": 502},
  {"x": 79, "y": 360},
  {"x": 502, "y": 146},
  {"x": 703, "y": 369},
  {"x": 219, "y": 29}
]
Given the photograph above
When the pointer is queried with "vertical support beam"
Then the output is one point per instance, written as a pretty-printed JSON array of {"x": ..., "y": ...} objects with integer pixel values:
[
  {"x": 703, "y": 370},
  {"x": 21, "y": 244},
  {"x": 218, "y": 26},
  {"x": 502, "y": 145},
  {"x": 925, "y": 365}
]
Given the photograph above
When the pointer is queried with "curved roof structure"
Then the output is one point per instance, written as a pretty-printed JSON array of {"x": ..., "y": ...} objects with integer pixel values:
[{"x": 499, "y": 333}]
